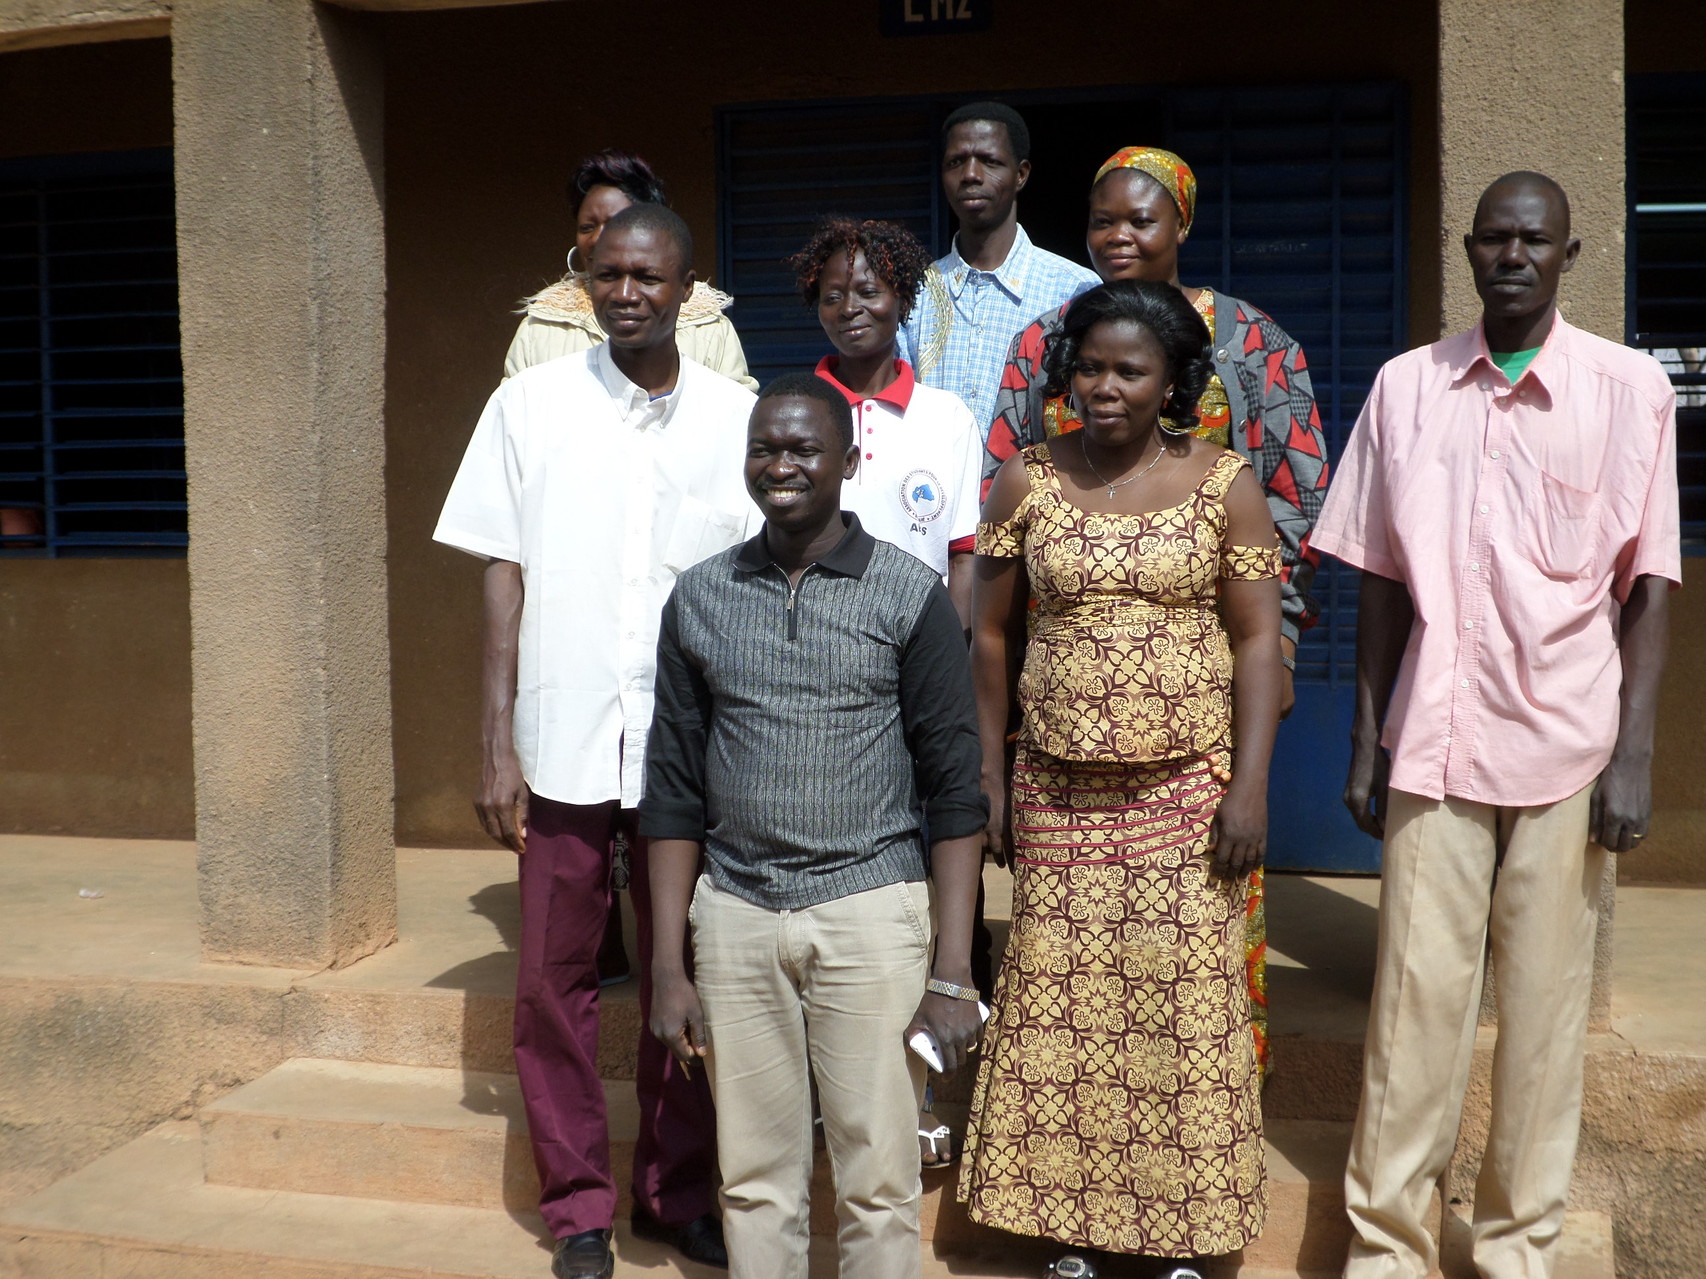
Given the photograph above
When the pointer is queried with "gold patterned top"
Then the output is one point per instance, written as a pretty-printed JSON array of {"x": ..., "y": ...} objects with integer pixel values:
[{"x": 1127, "y": 660}]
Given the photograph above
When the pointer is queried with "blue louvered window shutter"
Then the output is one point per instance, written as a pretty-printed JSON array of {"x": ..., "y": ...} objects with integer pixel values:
[
  {"x": 1667, "y": 263},
  {"x": 91, "y": 387}
]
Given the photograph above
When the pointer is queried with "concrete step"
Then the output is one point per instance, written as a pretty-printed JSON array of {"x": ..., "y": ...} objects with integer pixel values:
[
  {"x": 146, "y": 1211},
  {"x": 421, "y": 1135}
]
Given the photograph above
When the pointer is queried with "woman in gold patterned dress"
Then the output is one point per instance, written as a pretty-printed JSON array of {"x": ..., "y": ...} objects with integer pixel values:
[{"x": 1118, "y": 1102}]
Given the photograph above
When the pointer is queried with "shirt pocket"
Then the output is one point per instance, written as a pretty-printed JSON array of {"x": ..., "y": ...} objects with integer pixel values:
[
  {"x": 700, "y": 531},
  {"x": 1564, "y": 531}
]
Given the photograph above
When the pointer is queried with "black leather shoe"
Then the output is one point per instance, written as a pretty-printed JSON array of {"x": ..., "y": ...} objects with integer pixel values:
[
  {"x": 583, "y": 1256},
  {"x": 699, "y": 1240}
]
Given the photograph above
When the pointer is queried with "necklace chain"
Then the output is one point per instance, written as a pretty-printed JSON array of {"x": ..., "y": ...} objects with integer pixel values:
[{"x": 1160, "y": 453}]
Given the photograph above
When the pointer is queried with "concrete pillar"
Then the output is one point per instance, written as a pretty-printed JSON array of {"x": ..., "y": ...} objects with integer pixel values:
[
  {"x": 1535, "y": 84},
  {"x": 281, "y": 247},
  {"x": 1538, "y": 84}
]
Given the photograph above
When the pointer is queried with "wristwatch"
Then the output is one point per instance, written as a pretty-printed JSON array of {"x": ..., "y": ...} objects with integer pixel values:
[{"x": 937, "y": 986}]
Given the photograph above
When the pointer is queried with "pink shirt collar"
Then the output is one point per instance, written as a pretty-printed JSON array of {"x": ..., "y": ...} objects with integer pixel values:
[{"x": 1470, "y": 352}]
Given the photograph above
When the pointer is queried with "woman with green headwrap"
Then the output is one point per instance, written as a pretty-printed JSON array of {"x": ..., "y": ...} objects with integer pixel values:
[{"x": 1259, "y": 402}]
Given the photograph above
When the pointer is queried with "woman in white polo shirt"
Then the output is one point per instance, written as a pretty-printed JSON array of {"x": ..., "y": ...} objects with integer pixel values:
[{"x": 920, "y": 452}]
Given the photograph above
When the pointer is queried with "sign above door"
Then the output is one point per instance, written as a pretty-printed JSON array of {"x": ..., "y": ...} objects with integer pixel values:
[{"x": 934, "y": 17}]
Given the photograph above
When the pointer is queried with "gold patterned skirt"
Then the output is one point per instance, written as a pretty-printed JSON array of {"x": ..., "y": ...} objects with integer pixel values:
[{"x": 1118, "y": 1100}]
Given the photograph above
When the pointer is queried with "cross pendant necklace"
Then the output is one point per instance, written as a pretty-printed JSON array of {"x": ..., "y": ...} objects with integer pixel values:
[{"x": 1160, "y": 453}]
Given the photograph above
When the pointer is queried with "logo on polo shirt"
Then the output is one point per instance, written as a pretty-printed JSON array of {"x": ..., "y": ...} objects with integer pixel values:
[{"x": 922, "y": 496}]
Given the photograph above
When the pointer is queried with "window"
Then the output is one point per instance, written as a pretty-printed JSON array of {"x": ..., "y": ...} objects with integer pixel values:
[
  {"x": 91, "y": 388},
  {"x": 1667, "y": 264}
]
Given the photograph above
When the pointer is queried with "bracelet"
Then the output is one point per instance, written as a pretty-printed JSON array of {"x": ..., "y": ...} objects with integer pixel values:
[
  {"x": 937, "y": 986},
  {"x": 1290, "y": 663}
]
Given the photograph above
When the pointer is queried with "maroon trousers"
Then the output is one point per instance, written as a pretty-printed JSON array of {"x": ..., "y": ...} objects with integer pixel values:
[{"x": 565, "y": 894}]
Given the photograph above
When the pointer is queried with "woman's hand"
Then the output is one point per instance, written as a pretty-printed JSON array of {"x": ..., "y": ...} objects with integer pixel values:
[
  {"x": 1238, "y": 838},
  {"x": 955, "y": 1024},
  {"x": 677, "y": 1019}
]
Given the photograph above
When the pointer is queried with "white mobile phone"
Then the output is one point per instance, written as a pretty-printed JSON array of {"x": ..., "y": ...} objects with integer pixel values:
[{"x": 924, "y": 1043}]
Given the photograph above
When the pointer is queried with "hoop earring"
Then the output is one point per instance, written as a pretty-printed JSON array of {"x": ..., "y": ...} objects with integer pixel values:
[
  {"x": 1167, "y": 430},
  {"x": 577, "y": 270}
]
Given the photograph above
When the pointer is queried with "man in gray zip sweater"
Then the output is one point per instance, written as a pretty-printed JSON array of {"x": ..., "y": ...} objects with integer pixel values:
[{"x": 814, "y": 717}]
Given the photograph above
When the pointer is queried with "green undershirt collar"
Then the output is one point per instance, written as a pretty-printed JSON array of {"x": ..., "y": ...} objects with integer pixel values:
[{"x": 1513, "y": 364}]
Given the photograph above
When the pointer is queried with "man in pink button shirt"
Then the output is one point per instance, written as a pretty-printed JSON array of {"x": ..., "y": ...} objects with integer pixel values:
[{"x": 1510, "y": 495}]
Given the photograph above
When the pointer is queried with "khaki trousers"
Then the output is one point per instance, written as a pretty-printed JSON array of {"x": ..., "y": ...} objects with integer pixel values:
[
  {"x": 828, "y": 989},
  {"x": 1454, "y": 872}
]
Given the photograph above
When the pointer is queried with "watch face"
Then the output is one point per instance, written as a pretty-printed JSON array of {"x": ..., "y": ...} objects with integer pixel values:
[{"x": 1074, "y": 1268}]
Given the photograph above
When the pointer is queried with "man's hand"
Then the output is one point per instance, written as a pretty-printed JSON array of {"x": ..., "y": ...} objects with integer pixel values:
[
  {"x": 954, "y": 1022},
  {"x": 502, "y": 804},
  {"x": 1622, "y": 805},
  {"x": 677, "y": 1019},
  {"x": 998, "y": 834},
  {"x": 1238, "y": 837},
  {"x": 1365, "y": 789}
]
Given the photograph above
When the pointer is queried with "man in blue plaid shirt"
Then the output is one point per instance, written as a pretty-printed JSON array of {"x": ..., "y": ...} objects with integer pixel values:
[{"x": 994, "y": 281}]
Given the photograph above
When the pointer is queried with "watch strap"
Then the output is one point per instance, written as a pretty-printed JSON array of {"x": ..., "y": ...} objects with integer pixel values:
[{"x": 937, "y": 986}]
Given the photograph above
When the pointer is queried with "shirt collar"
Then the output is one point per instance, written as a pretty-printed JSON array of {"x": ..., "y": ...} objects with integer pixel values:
[
  {"x": 1471, "y": 352},
  {"x": 850, "y": 557},
  {"x": 635, "y": 406},
  {"x": 897, "y": 392},
  {"x": 1012, "y": 275}
]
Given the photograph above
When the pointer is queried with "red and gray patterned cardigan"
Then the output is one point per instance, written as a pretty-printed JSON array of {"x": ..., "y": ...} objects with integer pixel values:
[{"x": 1275, "y": 424}]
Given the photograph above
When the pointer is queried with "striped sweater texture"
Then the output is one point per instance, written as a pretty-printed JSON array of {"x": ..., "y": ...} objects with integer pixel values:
[{"x": 805, "y": 735}]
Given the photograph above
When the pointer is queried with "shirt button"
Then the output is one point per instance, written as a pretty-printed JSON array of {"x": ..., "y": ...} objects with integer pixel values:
[
  {"x": 1464, "y": 684},
  {"x": 1482, "y": 509},
  {"x": 630, "y": 634},
  {"x": 869, "y": 430},
  {"x": 871, "y": 404},
  {"x": 1495, "y": 455},
  {"x": 1474, "y": 566},
  {"x": 869, "y": 456},
  {"x": 1469, "y": 626}
]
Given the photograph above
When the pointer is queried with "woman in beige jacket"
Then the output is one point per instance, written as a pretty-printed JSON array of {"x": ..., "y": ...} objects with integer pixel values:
[{"x": 559, "y": 321}]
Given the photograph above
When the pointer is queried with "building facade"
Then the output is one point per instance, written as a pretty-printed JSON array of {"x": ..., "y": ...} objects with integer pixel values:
[{"x": 232, "y": 622}]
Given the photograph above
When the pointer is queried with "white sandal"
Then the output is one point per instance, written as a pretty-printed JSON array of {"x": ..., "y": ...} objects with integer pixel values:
[{"x": 944, "y": 1151}]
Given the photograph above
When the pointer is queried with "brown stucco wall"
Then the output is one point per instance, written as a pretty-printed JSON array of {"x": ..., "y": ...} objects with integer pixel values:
[
  {"x": 95, "y": 698},
  {"x": 486, "y": 112},
  {"x": 94, "y": 654},
  {"x": 1551, "y": 101}
]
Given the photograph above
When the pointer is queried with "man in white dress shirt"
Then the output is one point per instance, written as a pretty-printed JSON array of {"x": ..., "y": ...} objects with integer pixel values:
[{"x": 590, "y": 483}]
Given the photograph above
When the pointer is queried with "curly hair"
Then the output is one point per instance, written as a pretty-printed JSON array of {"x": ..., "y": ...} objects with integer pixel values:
[
  {"x": 611, "y": 167},
  {"x": 1159, "y": 308},
  {"x": 892, "y": 251}
]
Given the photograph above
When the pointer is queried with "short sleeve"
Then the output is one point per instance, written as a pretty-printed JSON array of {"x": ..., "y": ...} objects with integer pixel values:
[
  {"x": 968, "y": 483},
  {"x": 1355, "y": 524},
  {"x": 1249, "y": 563},
  {"x": 482, "y": 513},
  {"x": 1656, "y": 550},
  {"x": 1005, "y": 539}
]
